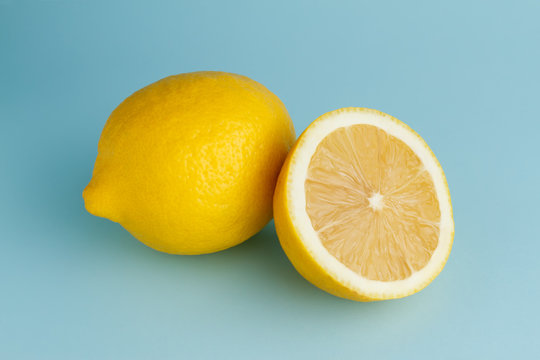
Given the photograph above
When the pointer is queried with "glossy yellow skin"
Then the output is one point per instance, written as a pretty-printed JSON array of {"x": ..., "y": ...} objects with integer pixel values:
[{"x": 188, "y": 164}]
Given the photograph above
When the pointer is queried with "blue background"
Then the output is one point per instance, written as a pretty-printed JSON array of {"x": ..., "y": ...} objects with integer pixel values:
[{"x": 464, "y": 74}]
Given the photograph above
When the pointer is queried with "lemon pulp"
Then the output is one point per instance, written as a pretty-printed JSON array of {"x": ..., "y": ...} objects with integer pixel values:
[{"x": 372, "y": 203}]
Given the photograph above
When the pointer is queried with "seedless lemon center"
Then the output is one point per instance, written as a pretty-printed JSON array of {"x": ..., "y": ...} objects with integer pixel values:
[
  {"x": 372, "y": 203},
  {"x": 376, "y": 201}
]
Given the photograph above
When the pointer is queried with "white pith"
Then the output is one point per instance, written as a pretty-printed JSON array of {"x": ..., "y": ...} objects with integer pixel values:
[
  {"x": 302, "y": 223},
  {"x": 376, "y": 201}
]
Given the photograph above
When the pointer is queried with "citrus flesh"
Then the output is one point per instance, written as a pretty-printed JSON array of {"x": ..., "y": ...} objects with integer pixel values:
[
  {"x": 188, "y": 164},
  {"x": 362, "y": 207}
]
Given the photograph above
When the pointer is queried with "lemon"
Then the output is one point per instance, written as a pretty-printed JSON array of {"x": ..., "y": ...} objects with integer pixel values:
[
  {"x": 188, "y": 164},
  {"x": 362, "y": 207}
]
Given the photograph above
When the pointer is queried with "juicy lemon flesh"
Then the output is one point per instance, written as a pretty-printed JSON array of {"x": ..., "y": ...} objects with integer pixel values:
[{"x": 372, "y": 203}]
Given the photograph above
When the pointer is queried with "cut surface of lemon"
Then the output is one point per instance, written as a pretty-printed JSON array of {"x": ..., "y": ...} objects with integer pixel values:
[{"x": 362, "y": 207}]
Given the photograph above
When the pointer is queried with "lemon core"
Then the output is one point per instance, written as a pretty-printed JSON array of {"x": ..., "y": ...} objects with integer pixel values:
[{"x": 376, "y": 201}]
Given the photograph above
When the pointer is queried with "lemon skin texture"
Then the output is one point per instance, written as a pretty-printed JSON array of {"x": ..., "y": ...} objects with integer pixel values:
[{"x": 188, "y": 164}]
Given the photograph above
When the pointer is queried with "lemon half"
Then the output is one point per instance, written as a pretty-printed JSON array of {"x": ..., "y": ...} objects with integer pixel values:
[{"x": 362, "y": 207}]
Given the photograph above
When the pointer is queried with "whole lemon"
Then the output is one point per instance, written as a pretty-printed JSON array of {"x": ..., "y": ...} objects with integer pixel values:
[{"x": 188, "y": 164}]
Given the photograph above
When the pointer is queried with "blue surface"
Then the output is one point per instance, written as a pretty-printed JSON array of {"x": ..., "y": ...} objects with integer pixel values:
[{"x": 464, "y": 74}]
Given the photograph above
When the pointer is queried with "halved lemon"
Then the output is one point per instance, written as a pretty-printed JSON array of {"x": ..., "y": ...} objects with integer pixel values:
[{"x": 362, "y": 207}]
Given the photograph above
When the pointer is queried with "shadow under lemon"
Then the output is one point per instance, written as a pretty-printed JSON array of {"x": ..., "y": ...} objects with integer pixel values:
[
  {"x": 59, "y": 200},
  {"x": 258, "y": 263}
]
